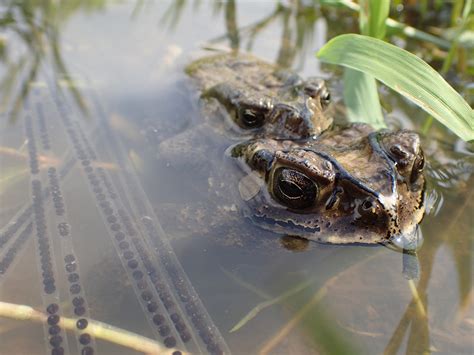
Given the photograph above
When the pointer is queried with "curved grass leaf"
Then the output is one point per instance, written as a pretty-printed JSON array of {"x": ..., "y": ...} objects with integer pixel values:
[
  {"x": 360, "y": 89},
  {"x": 361, "y": 99},
  {"x": 372, "y": 17},
  {"x": 406, "y": 74}
]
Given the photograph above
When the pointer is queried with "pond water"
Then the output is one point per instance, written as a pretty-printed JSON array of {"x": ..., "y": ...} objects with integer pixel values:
[{"x": 96, "y": 226}]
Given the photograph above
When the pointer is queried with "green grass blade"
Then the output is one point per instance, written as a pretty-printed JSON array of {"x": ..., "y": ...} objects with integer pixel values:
[
  {"x": 372, "y": 17},
  {"x": 406, "y": 74},
  {"x": 361, "y": 99},
  {"x": 360, "y": 90}
]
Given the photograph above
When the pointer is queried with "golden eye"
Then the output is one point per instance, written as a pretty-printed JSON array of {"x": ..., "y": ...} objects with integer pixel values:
[{"x": 294, "y": 189}]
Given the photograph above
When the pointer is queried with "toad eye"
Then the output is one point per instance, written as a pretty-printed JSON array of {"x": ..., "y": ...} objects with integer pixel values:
[
  {"x": 251, "y": 118},
  {"x": 294, "y": 189},
  {"x": 418, "y": 166},
  {"x": 325, "y": 97}
]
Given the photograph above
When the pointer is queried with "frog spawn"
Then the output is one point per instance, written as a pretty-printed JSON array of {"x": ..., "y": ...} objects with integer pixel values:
[{"x": 156, "y": 280}]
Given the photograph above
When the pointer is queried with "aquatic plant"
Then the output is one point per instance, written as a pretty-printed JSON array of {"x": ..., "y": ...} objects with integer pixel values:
[
  {"x": 398, "y": 69},
  {"x": 406, "y": 74}
]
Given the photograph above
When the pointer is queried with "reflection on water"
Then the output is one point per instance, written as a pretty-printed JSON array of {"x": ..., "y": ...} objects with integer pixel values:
[
  {"x": 31, "y": 33},
  {"x": 80, "y": 239}
]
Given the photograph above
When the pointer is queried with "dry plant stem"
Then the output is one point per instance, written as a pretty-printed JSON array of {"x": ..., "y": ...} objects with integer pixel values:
[
  {"x": 360, "y": 332},
  {"x": 416, "y": 298},
  {"x": 299, "y": 287},
  {"x": 96, "y": 329},
  {"x": 398, "y": 335},
  {"x": 50, "y": 160},
  {"x": 261, "y": 306},
  {"x": 283, "y": 332},
  {"x": 246, "y": 285},
  {"x": 15, "y": 153},
  {"x": 461, "y": 313}
]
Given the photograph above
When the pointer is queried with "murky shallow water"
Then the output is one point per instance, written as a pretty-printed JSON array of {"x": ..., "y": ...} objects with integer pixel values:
[{"x": 94, "y": 148}]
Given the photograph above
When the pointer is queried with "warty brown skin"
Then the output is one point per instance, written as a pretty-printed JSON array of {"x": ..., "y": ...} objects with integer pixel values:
[
  {"x": 346, "y": 186},
  {"x": 295, "y": 175},
  {"x": 262, "y": 100}
]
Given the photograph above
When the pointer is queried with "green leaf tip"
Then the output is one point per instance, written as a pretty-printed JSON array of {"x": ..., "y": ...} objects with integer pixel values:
[{"x": 404, "y": 73}]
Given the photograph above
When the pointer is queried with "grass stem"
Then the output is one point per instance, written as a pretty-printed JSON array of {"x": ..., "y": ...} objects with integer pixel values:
[{"x": 96, "y": 329}]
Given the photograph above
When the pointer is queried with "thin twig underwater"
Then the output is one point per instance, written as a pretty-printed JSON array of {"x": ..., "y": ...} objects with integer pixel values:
[
  {"x": 340, "y": 264},
  {"x": 96, "y": 329}
]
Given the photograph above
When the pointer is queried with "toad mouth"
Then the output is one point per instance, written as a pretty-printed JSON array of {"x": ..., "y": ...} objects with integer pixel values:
[{"x": 287, "y": 224}]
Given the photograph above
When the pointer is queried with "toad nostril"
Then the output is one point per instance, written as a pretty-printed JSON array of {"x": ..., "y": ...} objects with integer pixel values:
[
  {"x": 262, "y": 160},
  {"x": 367, "y": 205}
]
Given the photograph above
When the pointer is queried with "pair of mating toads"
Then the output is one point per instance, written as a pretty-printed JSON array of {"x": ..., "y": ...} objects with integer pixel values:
[{"x": 301, "y": 174}]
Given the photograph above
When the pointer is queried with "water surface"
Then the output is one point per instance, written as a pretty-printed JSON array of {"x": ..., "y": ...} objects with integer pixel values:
[{"x": 89, "y": 90}]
